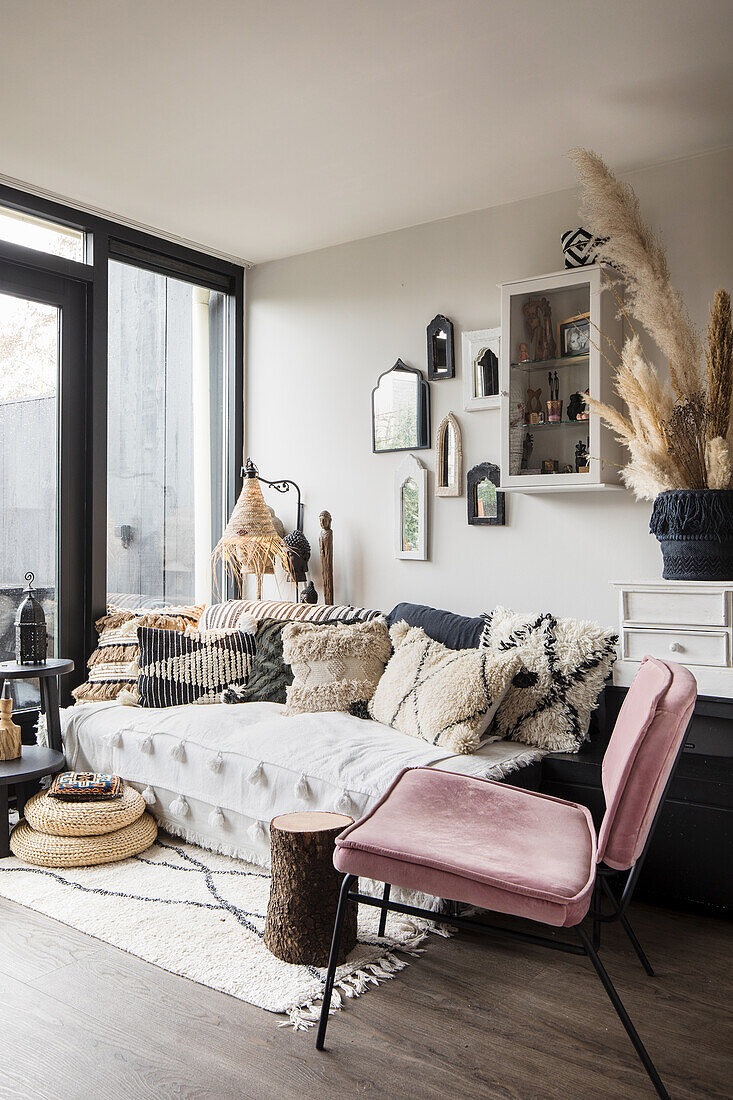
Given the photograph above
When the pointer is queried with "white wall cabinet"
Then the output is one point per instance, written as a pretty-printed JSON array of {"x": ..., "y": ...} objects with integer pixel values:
[{"x": 551, "y": 349}]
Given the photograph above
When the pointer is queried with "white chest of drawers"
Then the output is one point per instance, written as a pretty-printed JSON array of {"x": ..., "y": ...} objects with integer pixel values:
[{"x": 690, "y": 622}]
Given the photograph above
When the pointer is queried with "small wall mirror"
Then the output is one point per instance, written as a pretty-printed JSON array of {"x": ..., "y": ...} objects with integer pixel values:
[
  {"x": 400, "y": 410},
  {"x": 448, "y": 458},
  {"x": 410, "y": 510},
  {"x": 485, "y": 501},
  {"x": 441, "y": 357},
  {"x": 481, "y": 368}
]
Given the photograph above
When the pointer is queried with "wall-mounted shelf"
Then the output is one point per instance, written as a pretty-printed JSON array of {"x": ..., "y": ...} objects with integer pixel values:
[
  {"x": 553, "y": 488},
  {"x": 569, "y": 310}
]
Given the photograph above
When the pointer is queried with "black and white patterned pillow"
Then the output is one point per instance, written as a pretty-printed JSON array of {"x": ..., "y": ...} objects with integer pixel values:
[
  {"x": 580, "y": 248},
  {"x": 564, "y": 665},
  {"x": 176, "y": 668}
]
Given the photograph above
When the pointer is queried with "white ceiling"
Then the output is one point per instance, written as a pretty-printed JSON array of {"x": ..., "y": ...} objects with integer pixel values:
[{"x": 263, "y": 128}]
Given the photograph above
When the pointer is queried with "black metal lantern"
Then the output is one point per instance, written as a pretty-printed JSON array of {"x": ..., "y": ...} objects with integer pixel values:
[{"x": 30, "y": 629}]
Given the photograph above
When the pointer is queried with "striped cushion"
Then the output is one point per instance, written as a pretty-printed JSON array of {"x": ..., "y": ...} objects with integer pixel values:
[
  {"x": 113, "y": 666},
  {"x": 177, "y": 668},
  {"x": 226, "y": 615}
]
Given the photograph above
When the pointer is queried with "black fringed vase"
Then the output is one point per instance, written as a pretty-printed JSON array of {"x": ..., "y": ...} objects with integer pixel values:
[{"x": 695, "y": 531}]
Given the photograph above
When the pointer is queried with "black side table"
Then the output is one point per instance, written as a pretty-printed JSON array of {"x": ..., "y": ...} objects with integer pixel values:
[
  {"x": 48, "y": 675},
  {"x": 36, "y": 760}
]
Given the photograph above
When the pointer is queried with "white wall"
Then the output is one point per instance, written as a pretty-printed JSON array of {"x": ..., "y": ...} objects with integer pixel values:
[{"x": 322, "y": 326}]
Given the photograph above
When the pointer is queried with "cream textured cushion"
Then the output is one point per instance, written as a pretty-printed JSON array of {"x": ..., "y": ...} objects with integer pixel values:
[
  {"x": 563, "y": 666},
  {"x": 445, "y": 696},
  {"x": 335, "y": 666}
]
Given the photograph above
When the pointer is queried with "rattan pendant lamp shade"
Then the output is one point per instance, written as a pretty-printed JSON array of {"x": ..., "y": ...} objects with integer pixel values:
[{"x": 250, "y": 543}]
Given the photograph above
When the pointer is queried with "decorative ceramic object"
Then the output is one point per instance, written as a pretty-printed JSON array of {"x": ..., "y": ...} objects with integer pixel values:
[{"x": 10, "y": 746}]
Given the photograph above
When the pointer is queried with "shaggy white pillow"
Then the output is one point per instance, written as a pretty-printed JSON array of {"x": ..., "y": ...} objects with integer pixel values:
[
  {"x": 445, "y": 696},
  {"x": 564, "y": 664}
]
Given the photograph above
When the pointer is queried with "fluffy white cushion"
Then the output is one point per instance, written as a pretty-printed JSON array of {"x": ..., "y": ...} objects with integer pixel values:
[
  {"x": 335, "y": 666},
  {"x": 564, "y": 663},
  {"x": 445, "y": 696}
]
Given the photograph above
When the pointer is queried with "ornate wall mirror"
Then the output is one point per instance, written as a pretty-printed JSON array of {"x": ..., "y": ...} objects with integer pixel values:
[
  {"x": 448, "y": 458},
  {"x": 485, "y": 502},
  {"x": 481, "y": 369},
  {"x": 441, "y": 357},
  {"x": 400, "y": 410},
  {"x": 411, "y": 510}
]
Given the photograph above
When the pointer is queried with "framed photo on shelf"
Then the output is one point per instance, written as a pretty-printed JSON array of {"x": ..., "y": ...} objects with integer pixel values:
[{"x": 574, "y": 336}]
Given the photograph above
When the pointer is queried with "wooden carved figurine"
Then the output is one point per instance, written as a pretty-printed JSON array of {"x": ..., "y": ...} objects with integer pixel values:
[
  {"x": 325, "y": 541},
  {"x": 9, "y": 732},
  {"x": 534, "y": 406}
]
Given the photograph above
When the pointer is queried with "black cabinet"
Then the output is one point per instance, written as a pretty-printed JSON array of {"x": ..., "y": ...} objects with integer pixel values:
[{"x": 689, "y": 861}]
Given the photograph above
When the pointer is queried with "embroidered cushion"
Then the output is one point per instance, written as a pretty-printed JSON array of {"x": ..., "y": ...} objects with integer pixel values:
[
  {"x": 564, "y": 664},
  {"x": 85, "y": 787},
  {"x": 335, "y": 666},
  {"x": 113, "y": 666},
  {"x": 177, "y": 668},
  {"x": 269, "y": 675},
  {"x": 445, "y": 696}
]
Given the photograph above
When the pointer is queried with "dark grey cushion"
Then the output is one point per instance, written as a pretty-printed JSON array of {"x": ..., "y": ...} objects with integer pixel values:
[{"x": 454, "y": 631}]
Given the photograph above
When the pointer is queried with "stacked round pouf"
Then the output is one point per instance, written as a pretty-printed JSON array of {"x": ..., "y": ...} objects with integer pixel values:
[{"x": 82, "y": 834}]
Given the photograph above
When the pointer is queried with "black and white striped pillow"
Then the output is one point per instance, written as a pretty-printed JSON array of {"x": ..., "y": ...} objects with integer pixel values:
[{"x": 176, "y": 668}]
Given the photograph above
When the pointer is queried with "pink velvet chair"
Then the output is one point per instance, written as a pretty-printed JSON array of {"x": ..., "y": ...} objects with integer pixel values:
[{"x": 512, "y": 851}]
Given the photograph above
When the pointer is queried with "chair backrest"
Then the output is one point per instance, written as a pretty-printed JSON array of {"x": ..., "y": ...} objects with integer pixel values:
[{"x": 649, "y": 731}]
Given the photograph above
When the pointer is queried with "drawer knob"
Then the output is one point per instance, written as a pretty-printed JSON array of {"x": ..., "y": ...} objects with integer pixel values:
[{"x": 676, "y": 647}]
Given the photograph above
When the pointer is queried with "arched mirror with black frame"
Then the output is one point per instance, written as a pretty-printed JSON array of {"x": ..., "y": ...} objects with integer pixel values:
[
  {"x": 400, "y": 410},
  {"x": 448, "y": 458},
  {"x": 441, "y": 356},
  {"x": 485, "y": 501}
]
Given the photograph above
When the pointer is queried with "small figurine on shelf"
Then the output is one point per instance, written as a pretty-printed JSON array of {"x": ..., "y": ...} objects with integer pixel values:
[
  {"x": 581, "y": 458},
  {"x": 523, "y": 353},
  {"x": 309, "y": 594},
  {"x": 527, "y": 445},
  {"x": 576, "y": 405},
  {"x": 585, "y": 414},
  {"x": 534, "y": 406}
]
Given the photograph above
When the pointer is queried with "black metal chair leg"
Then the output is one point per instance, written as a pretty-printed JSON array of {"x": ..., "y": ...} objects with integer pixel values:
[
  {"x": 333, "y": 959},
  {"x": 623, "y": 1015},
  {"x": 596, "y": 907},
  {"x": 383, "y": 914},
  {"x": 641, "y": 954}
]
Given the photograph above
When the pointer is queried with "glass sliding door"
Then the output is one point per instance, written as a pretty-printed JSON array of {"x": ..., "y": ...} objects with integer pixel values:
[
  {"x": 29, "y": 375},
  {"x": 167, "y": 397},
  {"x": 42, "y": 416}
]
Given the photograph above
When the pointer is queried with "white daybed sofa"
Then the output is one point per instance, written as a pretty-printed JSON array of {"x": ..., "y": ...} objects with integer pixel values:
[{"x": 217, "y": 774}]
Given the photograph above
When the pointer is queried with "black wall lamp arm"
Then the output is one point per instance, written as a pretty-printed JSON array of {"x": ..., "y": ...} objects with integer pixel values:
[{"x": 282, "y": 486}]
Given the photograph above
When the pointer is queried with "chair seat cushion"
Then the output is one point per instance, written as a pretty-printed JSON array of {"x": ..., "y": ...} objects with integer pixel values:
[{"x": 479, "y": 842}]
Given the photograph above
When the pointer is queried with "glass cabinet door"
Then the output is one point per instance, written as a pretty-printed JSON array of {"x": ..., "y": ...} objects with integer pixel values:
[{"x": 550, "y": 364}]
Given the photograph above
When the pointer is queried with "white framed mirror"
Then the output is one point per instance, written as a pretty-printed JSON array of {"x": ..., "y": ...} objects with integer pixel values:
[
  {"x": 410, "y": 510},
  {"x": 480, "y": 361},
  {"x": 448, "y": 458}
]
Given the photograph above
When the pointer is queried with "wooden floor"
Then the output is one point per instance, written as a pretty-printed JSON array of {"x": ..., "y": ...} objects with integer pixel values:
[{"x": 472, "y": 1018}]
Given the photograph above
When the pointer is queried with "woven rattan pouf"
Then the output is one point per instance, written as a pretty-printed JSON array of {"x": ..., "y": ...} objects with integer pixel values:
[
  {"x": 49, "y": 815},
  {"x": 47, "y": 850}
]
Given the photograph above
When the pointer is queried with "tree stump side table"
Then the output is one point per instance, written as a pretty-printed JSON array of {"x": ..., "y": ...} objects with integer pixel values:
[
  {"x": 47, "y": 676},
  {"x": 305, "y": 888}
]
